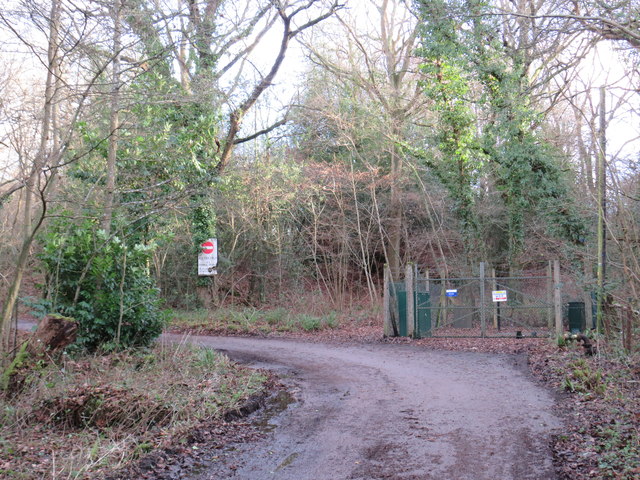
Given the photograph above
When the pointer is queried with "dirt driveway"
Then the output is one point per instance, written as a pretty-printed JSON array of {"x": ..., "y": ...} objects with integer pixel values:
[{"x": 393, "y": 412}]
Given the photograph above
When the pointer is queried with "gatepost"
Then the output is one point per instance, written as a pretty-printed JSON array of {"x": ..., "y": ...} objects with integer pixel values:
[
  {"x": 411, "y": 298},
  {"x": 557, "y": 297}
]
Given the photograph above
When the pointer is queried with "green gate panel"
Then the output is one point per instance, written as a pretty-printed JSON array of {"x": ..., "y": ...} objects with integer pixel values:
[
  {"x": 577, "y": 321},
  {"x": 402, "y": 313},
  {"x": 423, "y": 315},
  {"x": 398, "y": 306},
  {"x": 421, "y": 311}
]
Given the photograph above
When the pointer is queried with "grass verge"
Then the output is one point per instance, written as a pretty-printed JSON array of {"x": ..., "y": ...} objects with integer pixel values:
[
  {"x": 252, "y": 321},
  {"x": 86, "y": 416}
]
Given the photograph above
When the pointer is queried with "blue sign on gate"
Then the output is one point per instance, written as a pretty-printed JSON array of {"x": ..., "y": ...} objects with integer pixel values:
[{"x": 452, "y": 292}]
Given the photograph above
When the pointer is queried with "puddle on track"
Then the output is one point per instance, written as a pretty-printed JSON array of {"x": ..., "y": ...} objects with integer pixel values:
[
  {"x": 276, "y": 404},
  {"x": 264, "y": 420}
]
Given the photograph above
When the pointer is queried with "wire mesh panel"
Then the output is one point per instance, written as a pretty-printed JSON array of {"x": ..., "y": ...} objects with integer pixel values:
[
  {"x": 520, "y": 306},
  {"x": 453, "y": 306},
  {"x": 486, "y": 306}
]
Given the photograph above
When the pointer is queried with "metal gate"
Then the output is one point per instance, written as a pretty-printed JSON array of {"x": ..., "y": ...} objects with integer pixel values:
[{"x": 473, "y": 306}]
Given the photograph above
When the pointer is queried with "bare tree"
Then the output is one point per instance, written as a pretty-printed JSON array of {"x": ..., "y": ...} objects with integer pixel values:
[
  {"x": 42, "y": 160},
  {"x": 288, "y": 14},
  {"x": 375, "y": 55},
  {"x": 618, "y": 21},
  {"x": 33, "y": 184}
]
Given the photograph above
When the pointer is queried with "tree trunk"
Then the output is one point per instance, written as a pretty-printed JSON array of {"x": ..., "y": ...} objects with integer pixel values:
[
  {"x": 114, "y": 119},
  {"x": 395, "y": 223}
]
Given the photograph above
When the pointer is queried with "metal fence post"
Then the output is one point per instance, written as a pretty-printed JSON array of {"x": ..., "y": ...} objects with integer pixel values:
[
  {"x": 482, "y": 310},
  {"x": 588, "y": 300},
  {"x": 494, "y": 308},
  {"x": 416, "y": 285}
]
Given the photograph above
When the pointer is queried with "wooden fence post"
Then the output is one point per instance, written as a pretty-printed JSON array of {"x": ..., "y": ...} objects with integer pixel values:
[
  {"x": 483, "y": 321},
  {"x": 557, "y": 297},
  {"x": 426, "y": 281},
  {"x": 550, "y": 297},
  {"x": 627, "y": 330},
  {"x": 409, "y": 287},
  {"x": 386, "y": 304}
]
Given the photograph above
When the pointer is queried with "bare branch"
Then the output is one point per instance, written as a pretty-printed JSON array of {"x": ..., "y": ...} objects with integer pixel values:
[
  {"x": 264, "y": 131},
  {"x": 608, "y": 28},
  {"x": 237, "y": 115}
]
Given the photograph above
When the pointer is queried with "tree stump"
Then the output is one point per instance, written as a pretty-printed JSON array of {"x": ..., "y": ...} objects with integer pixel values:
[
  {"x": 589, "y": 348},
  {"x": 54, "y": 334}
]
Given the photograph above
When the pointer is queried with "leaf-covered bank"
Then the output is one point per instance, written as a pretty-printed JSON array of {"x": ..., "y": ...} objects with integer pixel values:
[{"x": 90, "y": 415}]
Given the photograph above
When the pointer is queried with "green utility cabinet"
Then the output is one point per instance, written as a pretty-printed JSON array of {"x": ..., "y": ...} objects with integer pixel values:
[
  {"x": 398, "y": 295},
  {"x": 576, "y": 315},
  {"x": 421, "y": 311}
]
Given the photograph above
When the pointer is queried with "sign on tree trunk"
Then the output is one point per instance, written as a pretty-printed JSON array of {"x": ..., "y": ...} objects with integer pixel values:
[{"x": 208, "y": 258}]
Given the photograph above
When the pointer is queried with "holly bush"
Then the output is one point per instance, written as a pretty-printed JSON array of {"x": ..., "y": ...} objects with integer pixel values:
[{"x": 104, "y": 284}]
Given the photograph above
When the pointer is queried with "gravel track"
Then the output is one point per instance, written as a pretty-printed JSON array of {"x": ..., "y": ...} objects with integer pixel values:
[{"x": 384, "y": 411}]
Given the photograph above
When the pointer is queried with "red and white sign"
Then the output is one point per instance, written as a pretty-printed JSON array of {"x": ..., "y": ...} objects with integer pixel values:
[
  {"x": 208, "y": 257},
  {"x": 208, "y": 247}
]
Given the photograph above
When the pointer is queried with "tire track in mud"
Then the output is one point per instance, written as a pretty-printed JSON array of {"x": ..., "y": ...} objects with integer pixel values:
[{"x": 378, "y": 411}]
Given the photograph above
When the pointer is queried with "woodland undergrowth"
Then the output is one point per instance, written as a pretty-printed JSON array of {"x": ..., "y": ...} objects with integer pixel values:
[{"x": 85, "y": 416}]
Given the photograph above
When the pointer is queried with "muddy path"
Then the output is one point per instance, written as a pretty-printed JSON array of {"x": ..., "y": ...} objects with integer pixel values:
[{"x": 392, "y": 412}]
